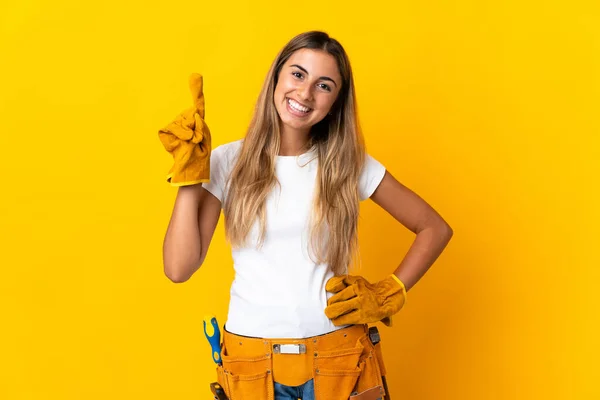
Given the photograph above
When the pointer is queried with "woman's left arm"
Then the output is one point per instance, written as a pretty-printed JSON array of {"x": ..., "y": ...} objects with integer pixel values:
[{"x": 433, "y": 233}]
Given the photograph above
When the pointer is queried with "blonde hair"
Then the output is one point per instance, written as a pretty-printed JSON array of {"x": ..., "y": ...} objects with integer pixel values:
[{"x": 339, "y": 147}]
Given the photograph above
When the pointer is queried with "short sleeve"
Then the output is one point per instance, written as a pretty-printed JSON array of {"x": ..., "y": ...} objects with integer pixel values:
[
  {"x": 370, "y": 177},
  {"x": 217, "y": 174}
]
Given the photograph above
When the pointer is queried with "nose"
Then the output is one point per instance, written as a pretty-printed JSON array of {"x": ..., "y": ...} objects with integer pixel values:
[{"x": 305, "y": 92}]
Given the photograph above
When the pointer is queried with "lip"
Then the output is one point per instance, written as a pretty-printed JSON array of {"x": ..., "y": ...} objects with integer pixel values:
[
  {"x": 299, "y": 102},
  {"x": 294, "y": 112}
]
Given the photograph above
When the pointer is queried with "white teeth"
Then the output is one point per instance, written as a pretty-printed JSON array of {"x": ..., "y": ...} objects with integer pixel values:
[{"x": 298, "y": 107}]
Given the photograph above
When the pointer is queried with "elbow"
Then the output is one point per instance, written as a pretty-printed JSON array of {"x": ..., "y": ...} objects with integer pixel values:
[
  {"x": 178, "y": 273},
  {"x": 447, "y": 232},
  {"x": 174, "y": 275},
  {"x": 439, "y": 227},
  {"x": 177, "y": 278},
  {"x": 178, "y": 267}
]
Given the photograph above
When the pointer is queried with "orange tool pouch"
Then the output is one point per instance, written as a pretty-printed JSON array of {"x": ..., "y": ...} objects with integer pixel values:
[{"x": 344, "y": 365}]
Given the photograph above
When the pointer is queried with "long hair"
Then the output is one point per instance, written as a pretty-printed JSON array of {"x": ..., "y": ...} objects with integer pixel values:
[{"x": 339, "y": 146}]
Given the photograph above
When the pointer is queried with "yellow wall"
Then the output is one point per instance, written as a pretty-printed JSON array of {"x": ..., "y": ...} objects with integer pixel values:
[{"x": 488, "y": 111}]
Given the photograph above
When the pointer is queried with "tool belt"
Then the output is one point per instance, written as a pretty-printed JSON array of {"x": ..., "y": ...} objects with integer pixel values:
[{"x": 345, "y": 364}]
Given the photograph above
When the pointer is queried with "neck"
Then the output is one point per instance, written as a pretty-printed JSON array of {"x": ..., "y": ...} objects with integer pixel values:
[{"x": 293, "y": 143}]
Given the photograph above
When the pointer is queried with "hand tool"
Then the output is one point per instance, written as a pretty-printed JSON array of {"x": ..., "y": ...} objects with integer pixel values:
[
  {"x": 217, "y": 391},
  {"x": 213, "y": 334}
]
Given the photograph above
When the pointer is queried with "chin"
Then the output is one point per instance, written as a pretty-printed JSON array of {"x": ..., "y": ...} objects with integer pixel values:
[{"x": 296, "y": 125}]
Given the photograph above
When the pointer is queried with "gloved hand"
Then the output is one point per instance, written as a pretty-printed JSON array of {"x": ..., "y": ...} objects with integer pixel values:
[
  {"x": 188, "y": 140},
  {"x": 359, "y": 302}
]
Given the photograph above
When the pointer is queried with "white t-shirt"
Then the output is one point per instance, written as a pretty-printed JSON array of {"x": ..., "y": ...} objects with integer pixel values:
[{"x": 278, "y": 291}]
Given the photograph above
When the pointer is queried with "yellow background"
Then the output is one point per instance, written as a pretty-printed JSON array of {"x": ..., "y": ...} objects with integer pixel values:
[{"x": 488, "y": 110}]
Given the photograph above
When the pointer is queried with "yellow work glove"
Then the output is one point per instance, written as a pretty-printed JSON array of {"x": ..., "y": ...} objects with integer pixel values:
[
  {"x": 188, "y": 140},
  {"x": 359, "y": 302}
]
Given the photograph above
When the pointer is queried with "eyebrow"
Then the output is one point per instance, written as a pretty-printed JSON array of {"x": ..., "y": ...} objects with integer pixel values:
[{"x": 325, "y": 78}]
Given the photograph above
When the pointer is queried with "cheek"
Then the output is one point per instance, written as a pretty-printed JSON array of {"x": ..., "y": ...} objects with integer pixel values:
[
  {"x": 280, "y": 90},
  {"x": 326, "y": 103},
  {"x": 287, "y": 83}
]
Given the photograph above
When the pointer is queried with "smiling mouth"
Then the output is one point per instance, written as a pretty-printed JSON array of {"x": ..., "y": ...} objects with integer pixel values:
[{"x": 297, "y": 108}]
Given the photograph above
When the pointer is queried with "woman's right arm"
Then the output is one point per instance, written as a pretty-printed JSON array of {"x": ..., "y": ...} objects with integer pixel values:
[{"x": 191, "y": 228}]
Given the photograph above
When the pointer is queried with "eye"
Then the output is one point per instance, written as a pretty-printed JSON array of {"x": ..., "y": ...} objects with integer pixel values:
[
  {"x": 297, "y": 74},
  {"x": 325, "y": 86}
]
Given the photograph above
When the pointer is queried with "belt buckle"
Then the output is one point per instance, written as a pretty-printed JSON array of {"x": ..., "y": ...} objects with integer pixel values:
[{"x": 289, "y": 348}]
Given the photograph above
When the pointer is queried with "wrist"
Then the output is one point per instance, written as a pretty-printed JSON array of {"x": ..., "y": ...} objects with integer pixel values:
[{"x": 399, "y": 282}]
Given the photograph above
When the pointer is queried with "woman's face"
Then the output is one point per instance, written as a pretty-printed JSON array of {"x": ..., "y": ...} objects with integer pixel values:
[{"x": 308, "y": 85}]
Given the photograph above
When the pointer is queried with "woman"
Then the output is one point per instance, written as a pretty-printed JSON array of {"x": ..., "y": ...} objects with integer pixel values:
[{"x": 290, "y": 193}]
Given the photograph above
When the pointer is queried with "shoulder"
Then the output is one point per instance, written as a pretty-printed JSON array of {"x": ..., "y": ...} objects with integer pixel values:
[
  {"x": 372, "y": 172},
  {"x": 227, "y": 152},
  {"x": 370, "y": 160},
  {"x": 371, "y": 165},
  {"x": 230, "y": 146},
  {"x": 222, "y": 160}
]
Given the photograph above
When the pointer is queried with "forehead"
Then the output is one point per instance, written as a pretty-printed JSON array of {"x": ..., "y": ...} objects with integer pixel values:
[{"x": 316, "y": 62}]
